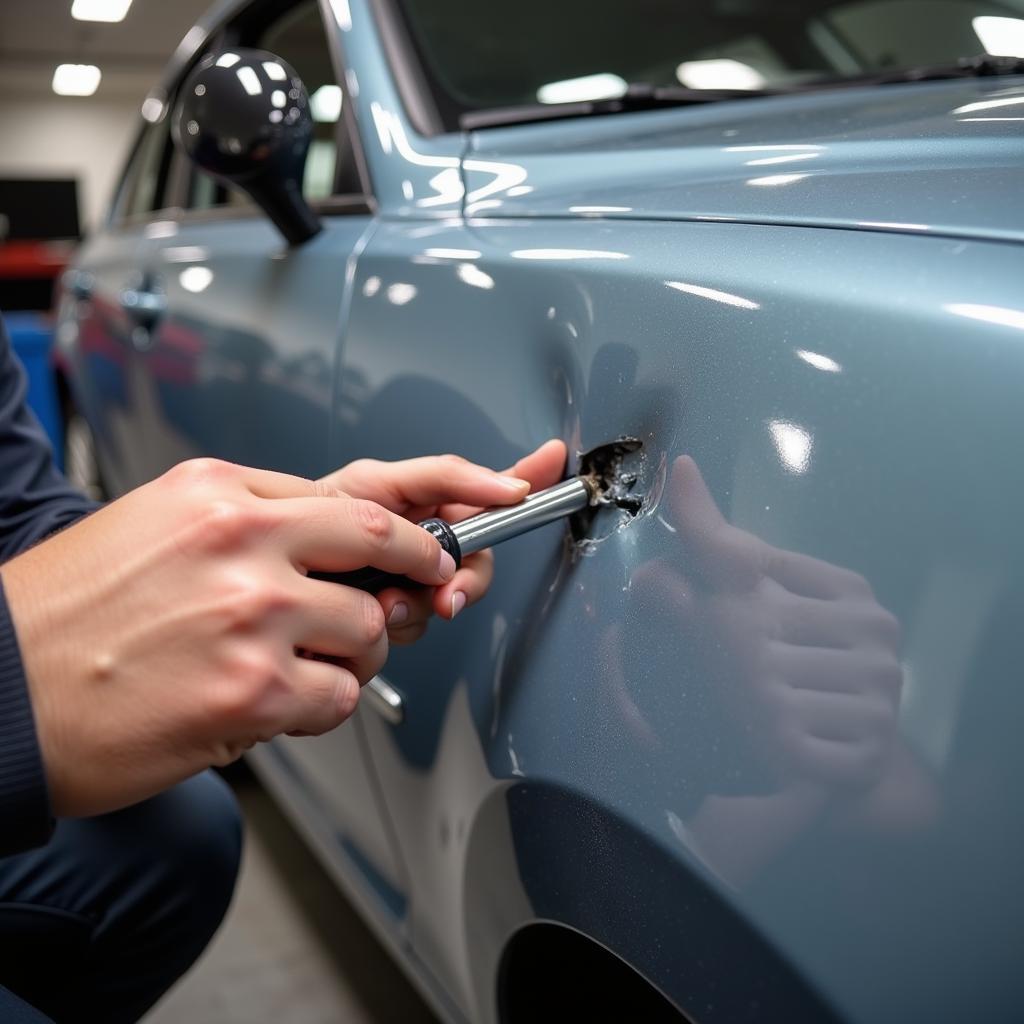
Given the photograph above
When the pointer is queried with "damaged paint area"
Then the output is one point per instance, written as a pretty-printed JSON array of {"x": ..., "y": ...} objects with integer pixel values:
[{"x": 611, "y": 471}]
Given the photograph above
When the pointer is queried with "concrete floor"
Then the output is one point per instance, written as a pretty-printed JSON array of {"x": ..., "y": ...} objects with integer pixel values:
[{"x": 292, "y": 950}]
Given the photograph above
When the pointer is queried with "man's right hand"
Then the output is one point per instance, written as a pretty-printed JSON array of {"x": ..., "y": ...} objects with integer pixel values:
[{"x": 168, "y": 631}]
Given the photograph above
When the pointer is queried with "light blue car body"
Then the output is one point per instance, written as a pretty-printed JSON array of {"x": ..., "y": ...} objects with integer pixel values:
[{"x": 819, "y": 299}]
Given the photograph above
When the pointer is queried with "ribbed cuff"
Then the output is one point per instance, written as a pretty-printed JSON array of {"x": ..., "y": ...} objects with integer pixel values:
[{"x": 25, "y": 819}]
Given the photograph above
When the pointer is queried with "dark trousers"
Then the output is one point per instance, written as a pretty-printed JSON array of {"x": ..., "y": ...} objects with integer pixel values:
[{"x": 100, "y": 922}]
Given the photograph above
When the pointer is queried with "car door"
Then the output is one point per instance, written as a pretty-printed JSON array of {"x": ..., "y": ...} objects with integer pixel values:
[
  {"x": 102, "y": 325},
  {"x": 233, "y": 356}
]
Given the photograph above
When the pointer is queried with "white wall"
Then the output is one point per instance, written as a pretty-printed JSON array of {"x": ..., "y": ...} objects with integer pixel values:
[{"x": 67, "y": 137}]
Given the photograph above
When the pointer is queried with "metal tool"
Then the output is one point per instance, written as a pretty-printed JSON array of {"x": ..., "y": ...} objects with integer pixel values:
[{"x": 484, "y": 530}]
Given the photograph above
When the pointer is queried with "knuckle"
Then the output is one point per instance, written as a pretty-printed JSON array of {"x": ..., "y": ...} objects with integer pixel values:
[
  {"x": 225, "y": 523},
  {"x": 197, "y": 472},
  {"x": 452, "y": 461},
  {"x": 323, "y": 489},
  {"x": 346, "y": 694},
  {"x": 373, "y": 522},
  {"x": 373, "y": 622}
]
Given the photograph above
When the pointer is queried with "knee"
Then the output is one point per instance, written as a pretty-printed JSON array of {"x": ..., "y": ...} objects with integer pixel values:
[
  {"x": 188, "y": 842},
  {"x": 203, "y": 831}
]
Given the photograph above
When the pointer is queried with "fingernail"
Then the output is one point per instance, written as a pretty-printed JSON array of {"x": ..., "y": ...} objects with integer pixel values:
[
  {"x": 513, "y": 483},
  {"x": 446, "y": 566},
  {"x": 398, "y": 614},
  {"x": 458, "y": 602}
]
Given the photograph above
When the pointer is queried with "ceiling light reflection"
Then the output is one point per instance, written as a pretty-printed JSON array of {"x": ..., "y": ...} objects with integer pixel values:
[
  {"x": 76, "y": 79},
  {"x": 793, "y": 445},
  {"x": 727, "y": 298},
  {"x": 474, "y": 276},
  {"x": 195, "y": 279},
  {"x": 720, "y": 73},
  {"x": 818, "y": 361},
  {"x": 250, "y": 82},
  {"x": 1002, "y": 37},
  {"x": 371, "y": 286},
  {"x": 777, "y": 179},
  {"x": 401, "y": 292},
  {"x": 567, "y": 254},
  {"x": 579, "y": 90},
  {"x": 1000, "y": 315},
  {"x": 325, "y": 104}
]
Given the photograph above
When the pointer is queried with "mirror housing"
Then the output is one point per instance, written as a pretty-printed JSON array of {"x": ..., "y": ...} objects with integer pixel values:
[{"x": 243, "y": 116}]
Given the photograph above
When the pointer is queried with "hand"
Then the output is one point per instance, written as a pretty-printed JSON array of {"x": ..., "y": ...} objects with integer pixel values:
[
  {"x": 805, "y": 659},
  {"x": 162, "y": 634},
  {"x": 453, "y": 489}
]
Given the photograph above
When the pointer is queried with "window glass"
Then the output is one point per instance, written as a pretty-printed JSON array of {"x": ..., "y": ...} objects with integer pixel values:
[
  {"x": 476, "y": 56},
  {"x": 143, "y": 190},
  {"x": 298, "y": 38}
]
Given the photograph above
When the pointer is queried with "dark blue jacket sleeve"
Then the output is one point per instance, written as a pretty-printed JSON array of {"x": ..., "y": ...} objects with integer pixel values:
[{"x": 35, "y": 500}]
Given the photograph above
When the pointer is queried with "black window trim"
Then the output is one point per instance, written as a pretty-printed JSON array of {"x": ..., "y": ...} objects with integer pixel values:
[{"x": 176, "y": 172}]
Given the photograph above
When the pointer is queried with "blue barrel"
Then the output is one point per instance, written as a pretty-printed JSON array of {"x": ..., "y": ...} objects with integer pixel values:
[{"x": 31, "y": 337}]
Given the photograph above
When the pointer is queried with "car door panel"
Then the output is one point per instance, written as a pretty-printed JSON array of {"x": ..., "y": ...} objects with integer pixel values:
[{"x": 616, "y": 691}]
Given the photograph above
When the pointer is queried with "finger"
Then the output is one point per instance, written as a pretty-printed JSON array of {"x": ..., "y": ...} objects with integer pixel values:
[
  {"x": 842, "y": 716},
  {"x": 337, "y": 535},
  {"x": 340, "y": 621},
  {"x": 812, "y": 622},
  {"x": 466, "y": 587},
  {"x": 819, "y": 668},
  {"x": 327, "y": 694},
  {"x": 812, "y": 577},
  {"x": 264, "y": 483},
  {"x": 403, "y": 637},
  {"x": 435, "y": 480},
  {"x": 840, "y": 763},
  {"x": 541, "y": 468},
  {"x": 405, "y": 608},
  {"x": 725, "y": 556}
]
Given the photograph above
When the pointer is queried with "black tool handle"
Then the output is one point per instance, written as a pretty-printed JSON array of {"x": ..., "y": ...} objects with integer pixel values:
[{"x": 373, "y": 581}]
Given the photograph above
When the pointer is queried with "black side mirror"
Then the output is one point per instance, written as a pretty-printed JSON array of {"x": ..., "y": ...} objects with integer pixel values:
[{"x": 243, "y": 116}]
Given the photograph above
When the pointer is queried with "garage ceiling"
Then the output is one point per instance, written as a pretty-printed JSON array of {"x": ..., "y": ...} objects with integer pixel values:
[{"x": 37, "y": 35}]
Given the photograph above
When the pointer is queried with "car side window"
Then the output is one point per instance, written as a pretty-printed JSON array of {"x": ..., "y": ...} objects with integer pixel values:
[
  {"x": 298, "y": 36},
  {"x": 145, "y": 182}
]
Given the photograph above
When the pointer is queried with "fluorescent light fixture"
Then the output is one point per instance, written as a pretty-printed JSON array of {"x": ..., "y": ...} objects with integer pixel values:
[
  {"x": 76, "y": 79},
  {"x": 274, "y": 71},
  {"x": 100, "y": 10},
  {"x": 579, "y": 90},
  {"x": 721, "y": 73},
  {"x": 227, "y": 60},
  {"x": 1002, "y": 37},
  {"x": 325, "y": 104}
]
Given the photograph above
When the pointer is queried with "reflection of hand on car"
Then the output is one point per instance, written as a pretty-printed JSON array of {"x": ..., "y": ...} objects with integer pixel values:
[
  {"x": 805, "y": 659},
  {"x": 803, "y": 663}
]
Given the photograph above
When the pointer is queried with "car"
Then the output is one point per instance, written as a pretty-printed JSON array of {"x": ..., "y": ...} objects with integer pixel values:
[{"x": 746, "y": 746}]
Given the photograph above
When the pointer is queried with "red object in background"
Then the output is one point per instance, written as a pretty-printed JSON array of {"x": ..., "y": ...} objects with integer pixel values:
[{"x": 34, "y": 260}]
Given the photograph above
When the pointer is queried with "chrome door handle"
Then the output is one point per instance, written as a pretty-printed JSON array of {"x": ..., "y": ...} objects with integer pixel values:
[
  {"x": 144, "y": 307},
  {"x": 385, "y": 700}
]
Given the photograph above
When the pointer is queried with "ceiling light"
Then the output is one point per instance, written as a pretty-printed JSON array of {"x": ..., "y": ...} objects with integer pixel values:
[
  {"x": 580, "y": 90},
  {"x": 1002, "y": 37},
  {"x": 100, "y": 10},
  {"x": 76, "y": 79},
  {"x": 325, "y": 104}
]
